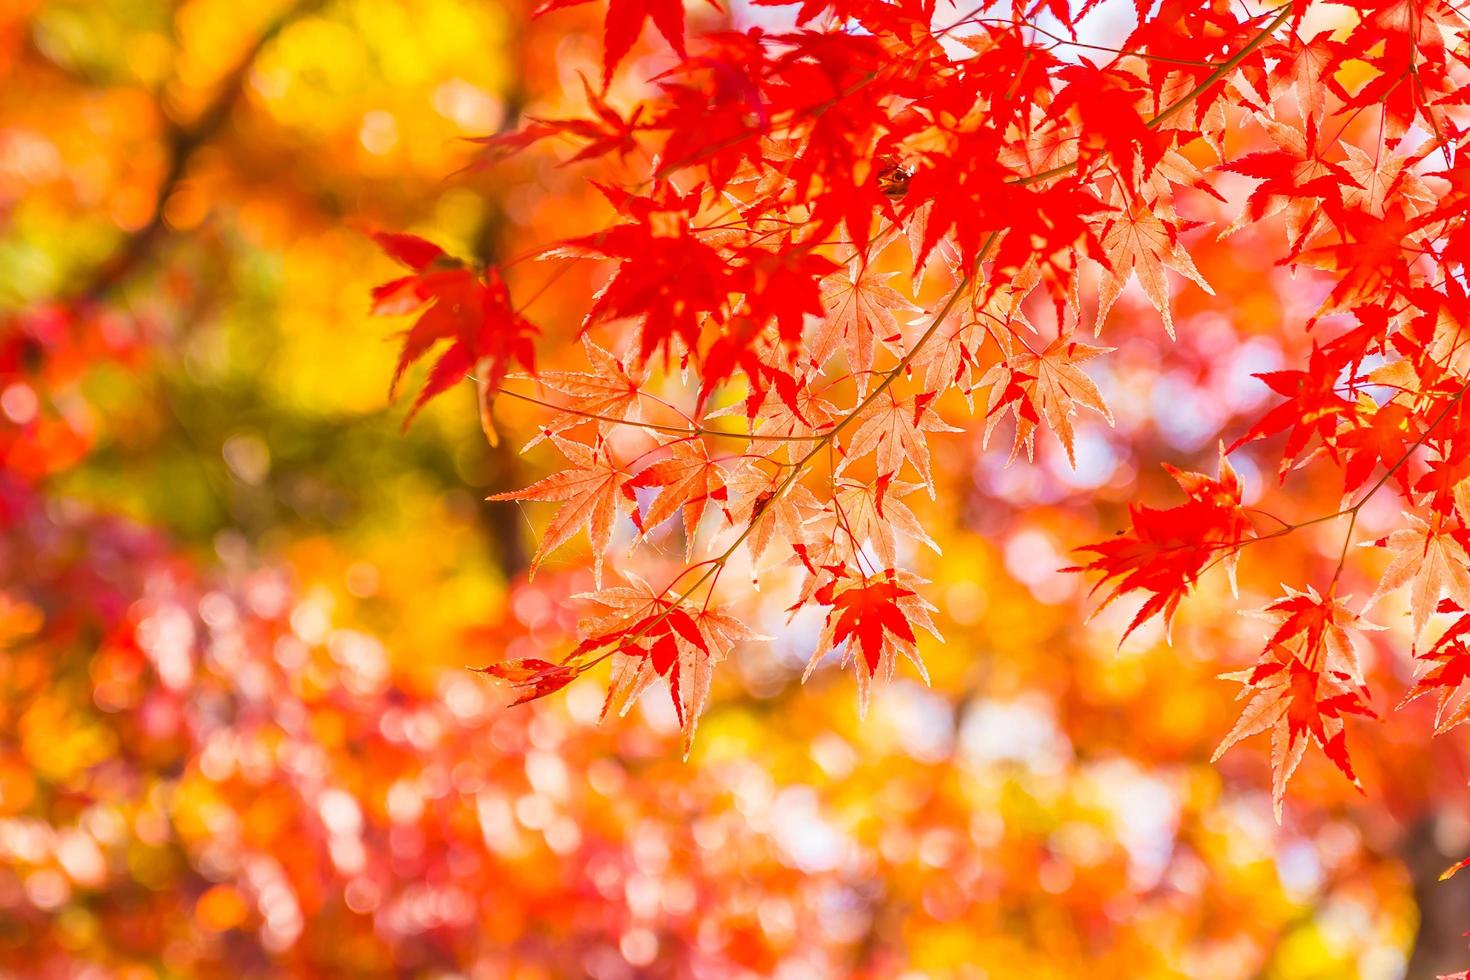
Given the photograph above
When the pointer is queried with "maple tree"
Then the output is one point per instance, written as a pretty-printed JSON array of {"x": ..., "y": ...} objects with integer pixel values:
[
  {"x": 769, "y": 253},
  {"x": 752, "y": 273},
  {"x": 878, "y": 334}
]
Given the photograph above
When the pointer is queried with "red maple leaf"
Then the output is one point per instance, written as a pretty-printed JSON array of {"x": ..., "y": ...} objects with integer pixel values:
[
  {"x": 625, "y": 20},
  {"x": 470, "y": 308},
  {"x": 1307, "y": 679},
  {"x": 875, "y": 616},
  {"x": 1313, "y": 407},
  {"x": 609, "y": 131},
  {"x": 532, "y": 678},
  {"x": 590, "y": 495},
  {"x": 1167, "y": 549},
  {"x": 688, "y": 481},
  {"x": 1444, "y": 670},
  {"x": 667, "y": 276},
  {"x": 865, "y": 613}
]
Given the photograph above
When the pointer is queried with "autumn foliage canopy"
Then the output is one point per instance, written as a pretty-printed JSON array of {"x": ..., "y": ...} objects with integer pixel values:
[{"x": 1086, "y": 377}]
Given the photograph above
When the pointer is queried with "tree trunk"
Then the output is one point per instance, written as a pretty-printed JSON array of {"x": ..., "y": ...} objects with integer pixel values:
[{"x": 1444, "y": 906}]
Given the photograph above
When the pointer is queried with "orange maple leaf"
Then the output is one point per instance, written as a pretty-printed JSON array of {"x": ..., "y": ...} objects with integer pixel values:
[{"x": 591, "y": 494}]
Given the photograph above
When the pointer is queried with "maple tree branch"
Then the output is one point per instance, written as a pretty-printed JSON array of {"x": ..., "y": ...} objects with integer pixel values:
[
  {"x": 678, "y": 430},
  {"x": 1226, "y": 67},
  {"x": 1288, "y": 527},
  {"x": 1444, "y": 413},
  {"x": 964, "y": 283},
  {"x": 826, "y": 438},
  {"x": 1347, "y": 540},
  {"x": 799, "y": 467},
  {"x": 1266, "y": 513}
]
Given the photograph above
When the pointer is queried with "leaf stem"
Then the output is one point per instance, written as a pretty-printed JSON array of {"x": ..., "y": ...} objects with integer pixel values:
[{"x": 678, "y": 430}]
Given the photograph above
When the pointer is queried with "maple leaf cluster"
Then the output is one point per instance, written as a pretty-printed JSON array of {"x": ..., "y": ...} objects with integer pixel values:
[
  {"x": 468, "y": 308},
  {"x": 823, "y": 243}
]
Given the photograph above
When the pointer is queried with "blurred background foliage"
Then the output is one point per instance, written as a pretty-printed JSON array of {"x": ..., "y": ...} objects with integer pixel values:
[{"x": 237, "y": 598}]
